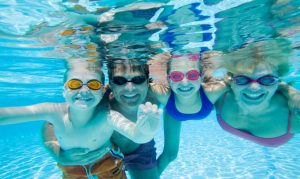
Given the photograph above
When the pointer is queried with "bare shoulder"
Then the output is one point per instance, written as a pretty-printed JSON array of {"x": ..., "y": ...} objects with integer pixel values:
[{"x": 214, "y": 90}]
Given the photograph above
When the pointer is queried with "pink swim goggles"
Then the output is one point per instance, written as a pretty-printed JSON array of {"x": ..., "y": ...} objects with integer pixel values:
[{"x": 191, "y": 75}]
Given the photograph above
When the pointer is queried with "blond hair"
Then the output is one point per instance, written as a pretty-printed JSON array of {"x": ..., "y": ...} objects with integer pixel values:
[{"x": 275, "y": 53}]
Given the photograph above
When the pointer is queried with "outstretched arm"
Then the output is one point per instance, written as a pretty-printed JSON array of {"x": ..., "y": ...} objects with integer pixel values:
[
  {"x": 215, "y": 88},
  {"x": 172, "y": 129},
  {"x": 144, "y": 129},
  {"x": 13, "y": 115}
]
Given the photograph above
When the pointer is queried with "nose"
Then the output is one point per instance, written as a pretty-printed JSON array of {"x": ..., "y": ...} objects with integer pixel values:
[
  {"x": 84, "y": 89},
  {"x": 184, "y": 80},
  {"x": 254, "y": 85},
  {"x": 129, "y": 86}
]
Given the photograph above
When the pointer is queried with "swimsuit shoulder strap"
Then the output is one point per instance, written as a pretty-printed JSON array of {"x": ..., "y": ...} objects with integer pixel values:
[
  {"x": 222, "y": 102},
  {"x": 290, "y": 122}
]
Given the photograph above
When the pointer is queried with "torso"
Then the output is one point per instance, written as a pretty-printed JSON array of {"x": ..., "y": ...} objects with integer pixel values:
[
  {"x": 273, "y": 123},
  {"x": 93, "y": 135},
  {"x": 198, "y": 112}
]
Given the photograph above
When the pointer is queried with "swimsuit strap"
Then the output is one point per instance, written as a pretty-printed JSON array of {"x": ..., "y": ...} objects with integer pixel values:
[
  {"x": 289, "y": 122},
  {"x": 116, "y": 152},
  {"x": 222, "y": 103}
]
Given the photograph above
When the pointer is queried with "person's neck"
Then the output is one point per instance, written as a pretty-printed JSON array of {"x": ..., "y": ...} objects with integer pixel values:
[
  {"x": 253, "y": 113},
  {"x": 130, "y": 112},
  {"x": 81, "y": 117}
]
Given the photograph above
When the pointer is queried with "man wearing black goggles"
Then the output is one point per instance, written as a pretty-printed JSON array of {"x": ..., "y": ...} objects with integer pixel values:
[
  {"x": 129, "y": 82},
  {"x": 119, "y": 80}
]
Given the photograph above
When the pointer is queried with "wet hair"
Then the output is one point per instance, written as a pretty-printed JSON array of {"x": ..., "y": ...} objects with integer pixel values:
[
  {"x": 189, "y": 58},
  {"x": 84, "y": 65},
  {"x": 123, "y": 65},
  {"x": 275, "y": 53}
]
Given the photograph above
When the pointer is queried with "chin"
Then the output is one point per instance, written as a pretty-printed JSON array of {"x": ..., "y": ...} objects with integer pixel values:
[
  {"x": 253, "y": 108},
  {"x": 84, "y": 105}
]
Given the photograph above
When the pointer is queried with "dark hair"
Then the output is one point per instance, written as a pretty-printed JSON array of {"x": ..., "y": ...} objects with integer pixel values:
[{"x": 132, "y": 64}]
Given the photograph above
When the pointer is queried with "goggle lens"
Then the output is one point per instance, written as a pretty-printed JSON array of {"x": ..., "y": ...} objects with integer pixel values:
[
  {"x": 176, "y": 76},
  {"x": 192, "y": 75}
]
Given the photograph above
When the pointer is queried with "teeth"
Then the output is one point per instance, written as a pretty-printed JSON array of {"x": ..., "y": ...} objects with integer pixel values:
[
  {"x": 129, "y": 95},
  {"x": 253, "y": 95},
  {"x": 185, "y": 88},
  {"x": 83, "y": 99}
]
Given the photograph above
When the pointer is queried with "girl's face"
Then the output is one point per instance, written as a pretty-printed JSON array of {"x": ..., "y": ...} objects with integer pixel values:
[
  {"x": 187, "y": 70},
  {"x": 84, "y": 97},
  {"x": 256, "y": 92}
]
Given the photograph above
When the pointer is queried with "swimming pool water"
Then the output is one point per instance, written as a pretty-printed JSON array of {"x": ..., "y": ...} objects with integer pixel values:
[
  {"x": 31, "y": 73},
  {"x": 206, "y": 151}
]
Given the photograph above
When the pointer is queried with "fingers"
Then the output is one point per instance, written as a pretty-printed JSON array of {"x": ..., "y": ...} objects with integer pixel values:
[{"x": 148, "y": 108}]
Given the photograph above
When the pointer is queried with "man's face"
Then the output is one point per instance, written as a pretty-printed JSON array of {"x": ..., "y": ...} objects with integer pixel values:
[{"x": 133, "y": 92}]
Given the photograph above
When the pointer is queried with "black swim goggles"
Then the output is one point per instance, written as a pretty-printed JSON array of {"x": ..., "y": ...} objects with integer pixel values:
[
  {"x": 75, "y": 84},
  {"x": 119, "y": 80}
]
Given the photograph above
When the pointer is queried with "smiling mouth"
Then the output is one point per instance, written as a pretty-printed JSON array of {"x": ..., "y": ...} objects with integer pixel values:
[
  {"x": 185, "y": 89},
  {"x": 84, "y": 99},
  {"x": 130, "y": 95},
  {"x": 253, "y": 97}
]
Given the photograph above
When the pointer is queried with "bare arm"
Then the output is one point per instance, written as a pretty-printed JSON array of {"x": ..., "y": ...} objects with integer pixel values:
[
  {"x": 13, "y": 115},
  {"x": 292, "y": 95},
  {"x": 144, "y": 129},
  {"x": 215, "y": 88},
  {"x": 160, "y": 91},
  {"x": 171, "y": 144}
]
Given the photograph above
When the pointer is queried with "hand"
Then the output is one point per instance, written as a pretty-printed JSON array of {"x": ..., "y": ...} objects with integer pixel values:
[{"x": 148, "y": 118}]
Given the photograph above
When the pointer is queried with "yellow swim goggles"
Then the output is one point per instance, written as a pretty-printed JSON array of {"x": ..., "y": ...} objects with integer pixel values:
[{"x": 75, "y": 84}]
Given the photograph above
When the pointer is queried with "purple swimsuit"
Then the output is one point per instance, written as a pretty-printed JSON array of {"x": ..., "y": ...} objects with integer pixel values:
[{"x": 143, "y": 158}]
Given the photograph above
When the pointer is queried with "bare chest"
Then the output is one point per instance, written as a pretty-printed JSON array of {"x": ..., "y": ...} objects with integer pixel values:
[
  {"x": 272, "y": 123},
  {"x": 91, "y": 136}
]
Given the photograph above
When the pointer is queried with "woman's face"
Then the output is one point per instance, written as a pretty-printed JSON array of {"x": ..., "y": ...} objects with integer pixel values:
[
  {"x": 254, "y": 96},
  {"x": 84, "y": 97},
  {"x": 185, "y": 87}
]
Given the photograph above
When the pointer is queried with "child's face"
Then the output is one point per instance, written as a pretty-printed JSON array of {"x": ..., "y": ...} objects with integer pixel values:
[
  {"x": 191, "y": 81},
  {"x": 84, "y": 97}
]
